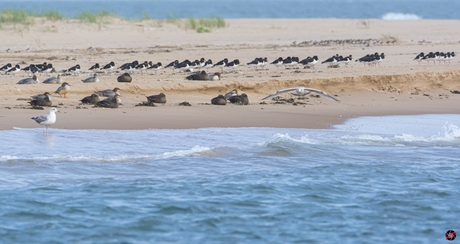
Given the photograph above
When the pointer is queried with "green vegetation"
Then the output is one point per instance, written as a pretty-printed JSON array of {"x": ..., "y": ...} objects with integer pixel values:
[
  {"x": 204, "y": 25},
  {"x": 14, "y": 17}
]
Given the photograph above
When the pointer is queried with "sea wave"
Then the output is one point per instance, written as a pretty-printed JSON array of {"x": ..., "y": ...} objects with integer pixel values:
[
  {"x": 400, "y": 16},
  {"x": 110, "y": 158}
]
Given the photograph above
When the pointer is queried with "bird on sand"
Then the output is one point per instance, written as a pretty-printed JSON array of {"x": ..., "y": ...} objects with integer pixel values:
[
  {"x": 160, "y": 98},
  {"x": 240, "y": 99},
  {"x": 93, "y": 99},
  {"x": 109, "y": 93},
  {"x": 219, "y": 100},
  {"x": 46, "y": 120},
  {"x": 91, "y": 79},
  {"x": 300, "y": 91},
  {"x": 110, "y": 102},
  {"x": 53, "y": 80},
  {"x": 63, "y": 89},
  {"x": 45, "y": 101}
]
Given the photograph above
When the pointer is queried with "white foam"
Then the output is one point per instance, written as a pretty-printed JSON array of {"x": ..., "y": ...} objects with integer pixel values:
[
  {"x": 278, "y": 137},
  {"x": 400, "y": 16},
  {"x": 118, "y": 158}
]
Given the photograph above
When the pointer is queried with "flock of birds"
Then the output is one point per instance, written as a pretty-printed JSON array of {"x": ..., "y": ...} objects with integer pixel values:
[
  {"x": 186, "y": 65},
  {"x": 113, "y": 95},
  {"x": 436, "y": 56}
]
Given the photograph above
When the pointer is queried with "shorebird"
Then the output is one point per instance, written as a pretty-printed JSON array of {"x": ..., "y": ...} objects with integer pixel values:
[
  {"x": 232, "y": 93},
  {"x": 95, "y": 67},
  {"x": 46, "y": 120},
  {"x": 13, "y": 70},
  {"x": 5, "y": 67},
  {"x": 156, "y": 67},
  {"x": 278, "y": 62},
  {"x": 221, "y": 64},
  {"x": 419, "y": 57},
  {"x": 109, "y": 66},
  {"x": 300, "y": 92},
  {"x": 63, "y": 89},
  {"x": 310, "y": 61}
]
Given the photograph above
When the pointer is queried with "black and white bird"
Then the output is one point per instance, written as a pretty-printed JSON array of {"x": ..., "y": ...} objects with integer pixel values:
[
  {"x": 309, "y": 61},
  {"x": 221, "y": 64},
  {"x": 6, "y": 67},
  {"x": 331, "y": 61},
  {"x": 129, "y": 66},
  {"x": 109, "y": 66},
  {"x": 142, "y": 66},
  {"x": 95, "y": 67},
  {"x": 74, "y": 70},
  {"x": 47, "y": 69},
  {"x": 233, "y": 64},
  {"x": 255, "y": 63},
  {"x": 290, "y": 62},
  {"x": 278, "y": 62},
  {"x": 345, "y": 60},
  {"x": 208, "y": 64},
  {"x": 419, "y": 57},
  {"x": 184, "y": 65},
  {"x": 156, "y": 67},
  {"x": 172, "y": 65},
  {"x": 300, "y": 92},
  {"x": 13, "y": 70}
]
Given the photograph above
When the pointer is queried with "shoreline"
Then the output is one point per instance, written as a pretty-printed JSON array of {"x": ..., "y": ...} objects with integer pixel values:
[{"x": 398, "y": 86}]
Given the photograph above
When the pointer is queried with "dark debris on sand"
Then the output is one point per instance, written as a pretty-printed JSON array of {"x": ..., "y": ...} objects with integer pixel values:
[
  {"x": 146, "y": 104},
  {"x": 185, "y": 104}
]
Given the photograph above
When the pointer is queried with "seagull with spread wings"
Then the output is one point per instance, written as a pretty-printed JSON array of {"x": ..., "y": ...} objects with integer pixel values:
[{"x": 301, "y": 91}]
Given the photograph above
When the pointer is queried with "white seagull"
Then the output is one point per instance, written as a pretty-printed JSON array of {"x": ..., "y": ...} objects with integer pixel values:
[
  {"x": 46, "y": 120},
  {"x": 301, "y": 91}
]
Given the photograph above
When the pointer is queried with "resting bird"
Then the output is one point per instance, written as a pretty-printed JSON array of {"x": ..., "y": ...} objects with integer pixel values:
[
  {"x": 110, "y": 102},
  {"x": 124, "y": 78},
  {"x": 219, "y": 100},
  {"x": 109, "y": 93},
  {"x": 160, "y": 98},
  {"x": 243, "y": 98},
  {"x": 46, "y": 101},
  {"x": 300, "y": 91},
  {"x": 231, "y": 93},
  {"x": 53, "y": 80},
  {"x": 93, "y": 99},
  {"x": 46, "y": 120},
  {"x": 33, "y": 80},
  {"x": 91, "y": 79},
  {"x": 63, "y": 89}
]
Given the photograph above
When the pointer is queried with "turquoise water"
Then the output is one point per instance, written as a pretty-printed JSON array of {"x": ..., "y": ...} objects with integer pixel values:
[
  {"x": 374, "y": 179},
  {"x": 161, "y": 9}
]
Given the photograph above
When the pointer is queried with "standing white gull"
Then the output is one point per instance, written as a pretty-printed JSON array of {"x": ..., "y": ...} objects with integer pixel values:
[
  {"x": 301, "y": 91},
  {"x": 46, "y": 120}
]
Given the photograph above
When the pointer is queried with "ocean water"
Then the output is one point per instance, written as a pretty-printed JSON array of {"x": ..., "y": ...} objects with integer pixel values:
[
  {"x": 161, "y": 9},
  {"x": 371, "y": 180}
]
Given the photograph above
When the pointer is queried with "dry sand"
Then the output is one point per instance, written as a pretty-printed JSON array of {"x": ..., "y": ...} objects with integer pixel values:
[{"x": 398, "y": 86}]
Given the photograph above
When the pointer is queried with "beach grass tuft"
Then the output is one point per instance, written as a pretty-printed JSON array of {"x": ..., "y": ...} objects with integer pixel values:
[{"x": 87, "y": 17}]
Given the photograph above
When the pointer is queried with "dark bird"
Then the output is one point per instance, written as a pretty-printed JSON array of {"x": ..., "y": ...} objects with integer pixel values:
[
  {"x": 95, "y": 67},
  {"x": 243, "y": 99},
  {"x": 219, "y": 100},
  {"x": 46, "y": 101},
  {"x": 160, "y": 98},
  {"x": 198, "y": 76},
  {"x": 93, "y": 99},
  {"x": 6, "y": 67},
  {"x": 125, "y": 78},
  {"x": 109, "y": 66},
  {"x": 221, "y": 64},
  {"x": 110, "y": 102}
]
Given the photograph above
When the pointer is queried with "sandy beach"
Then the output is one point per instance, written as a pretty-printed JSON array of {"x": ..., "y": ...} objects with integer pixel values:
[{"x": 398, "y": 86}]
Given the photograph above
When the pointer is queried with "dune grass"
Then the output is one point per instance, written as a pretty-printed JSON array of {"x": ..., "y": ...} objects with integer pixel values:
[{"x": 27, "y": 18}]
